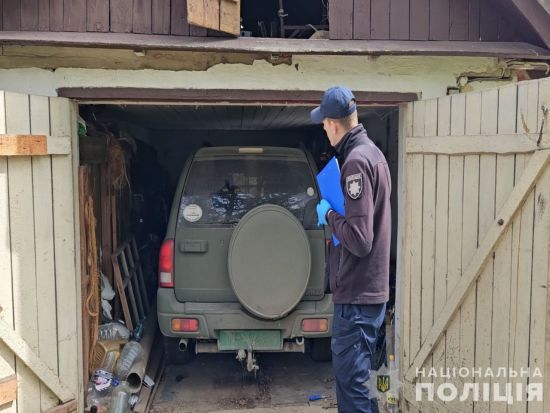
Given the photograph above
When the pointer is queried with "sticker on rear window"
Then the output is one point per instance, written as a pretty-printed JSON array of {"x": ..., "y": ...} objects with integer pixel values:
[{"x": 192, "y": 213}]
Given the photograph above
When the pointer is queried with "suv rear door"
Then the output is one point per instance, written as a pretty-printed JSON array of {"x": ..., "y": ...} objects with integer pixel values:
[{"x": 221, "y": 186}]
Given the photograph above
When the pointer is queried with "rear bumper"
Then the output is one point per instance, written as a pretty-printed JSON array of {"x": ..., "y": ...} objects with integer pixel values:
[{"x": 214, "y": 317}]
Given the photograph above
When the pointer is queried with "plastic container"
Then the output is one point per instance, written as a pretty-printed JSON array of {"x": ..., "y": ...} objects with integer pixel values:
[
  {"x": 113, "y": 331},
  {"x": 130, "y": 353},
  {"x": 101, "y": 384},
  {"x": 120, "y": 400}
]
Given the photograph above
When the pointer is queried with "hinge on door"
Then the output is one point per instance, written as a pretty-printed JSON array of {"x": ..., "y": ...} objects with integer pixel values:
[{"x": 544, "y": 116}]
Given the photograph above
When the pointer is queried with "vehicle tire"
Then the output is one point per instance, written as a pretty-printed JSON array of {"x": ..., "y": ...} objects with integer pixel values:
[
  {"x": 174, "y": 355},
  {"x": 319, "y": 349}
]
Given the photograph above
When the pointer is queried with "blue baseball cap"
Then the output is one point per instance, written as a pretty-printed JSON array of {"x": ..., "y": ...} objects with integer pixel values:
[{"x": 338, "y": 102}]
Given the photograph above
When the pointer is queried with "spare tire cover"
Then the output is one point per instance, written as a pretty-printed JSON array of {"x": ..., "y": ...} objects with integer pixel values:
[{"x": 269, "y": 261}]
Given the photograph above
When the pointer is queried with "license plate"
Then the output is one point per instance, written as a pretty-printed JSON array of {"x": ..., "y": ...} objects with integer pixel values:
[{"x": 258, "y": 340}]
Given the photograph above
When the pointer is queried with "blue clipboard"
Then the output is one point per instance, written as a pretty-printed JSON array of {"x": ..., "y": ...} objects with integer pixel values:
[{"x": 329, "y": 184}]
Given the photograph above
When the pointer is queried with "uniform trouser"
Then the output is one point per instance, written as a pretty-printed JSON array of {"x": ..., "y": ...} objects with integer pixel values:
[{"x": 356, "y": 329}]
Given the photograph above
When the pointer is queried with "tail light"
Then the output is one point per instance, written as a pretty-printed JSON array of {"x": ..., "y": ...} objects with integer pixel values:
[
  {"x": 314, "y": 325},
  {"x": 185, "y": 324},
  {"x": 166, "y": 264}
]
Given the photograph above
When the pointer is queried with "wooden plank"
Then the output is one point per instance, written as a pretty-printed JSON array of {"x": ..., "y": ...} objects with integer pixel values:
[
  {"x": 121, "y": 18},
  {"x": 74, "y": 16},
  {"x": 43, "y": 15},
  {"x": 97, "y": 15},
  {"x": 536, "y": 15},
  {"x": 129, "y": 274},
  {"x": 515, "y": 50},
  {"x": 522, "y": 247},
  {"x": 26, "y": 354},
  {"x": 488, "y": 21},
  {"x": 439, "y": 20},
  {"x": 361, "y": 15},
  {"x": 473, "y": 20},
  {"x": 65, "y": 247},
  {"x": 458, "y": 23},
  {"x": 399, "y": 20},
  {"x": 33, "y": 144},
  {"x": 160, "y": 19},
  {"x": 508, "y": 144},
  {"x": 22, "y": 248},
  {"x": 428, "y": 245},
  {"x": 139, "y": 269},
  {"x": 419, "y": 19},
  {"x": 68, "y": 407},
  {"x": 341, "y": 20},
  {"x": 23, "y": 145},
  {"x": 503, "y": 254},
  {"x": 56, "y": 16},
  {"x": 533, "y": 170},
  {"x": 470, "y": 236},
  {"x": 414, "y": 248},
  {"x": 119, "y": 284},
  {"x": 454, "y": 261},
  {"x": 7, "y": 358},
  {"x": 539, "y": 355},
  {"x": 204, "y": 13},
  {"x": 487, "y": 190},
  {"x": 403, "y": 275},
  {"x": 142, "y": 11},
  {"x": 12, "y": 15},
  {"x": 8, "y": 389},
  {"x": 77, "y": 369},
  {"x": 179, "y": 24},
  {"x": 29, "y": 14},
  {"x": 230, "y": 17},
  {"x": 380, "y": 19},
  {"x": 44, "y": 248}
]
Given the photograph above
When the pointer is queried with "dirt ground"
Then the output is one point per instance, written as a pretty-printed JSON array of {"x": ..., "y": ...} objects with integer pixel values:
[{"x": 218, "y": 383}]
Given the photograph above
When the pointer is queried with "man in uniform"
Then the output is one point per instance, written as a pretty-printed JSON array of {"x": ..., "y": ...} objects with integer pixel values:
[{"x": 359, "y": 266}]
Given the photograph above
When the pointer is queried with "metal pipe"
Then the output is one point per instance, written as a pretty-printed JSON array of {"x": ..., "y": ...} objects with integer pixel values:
[
  {"x": 137, "y": 371},
  {"x": 182, "y": 345}
]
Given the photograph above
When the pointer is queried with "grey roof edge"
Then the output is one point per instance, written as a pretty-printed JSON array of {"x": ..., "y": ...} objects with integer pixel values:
[{"x": 516, "y": 50}]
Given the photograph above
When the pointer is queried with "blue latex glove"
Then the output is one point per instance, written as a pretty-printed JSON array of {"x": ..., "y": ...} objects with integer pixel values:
[{"x": 322, "y": 209}]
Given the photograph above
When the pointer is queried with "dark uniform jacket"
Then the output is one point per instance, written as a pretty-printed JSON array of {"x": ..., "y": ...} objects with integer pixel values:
[{"x": 359, "y": 265}]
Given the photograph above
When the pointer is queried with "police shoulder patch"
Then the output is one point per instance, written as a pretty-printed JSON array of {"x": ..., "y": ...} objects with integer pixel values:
[{"x": 354, "y": 186}]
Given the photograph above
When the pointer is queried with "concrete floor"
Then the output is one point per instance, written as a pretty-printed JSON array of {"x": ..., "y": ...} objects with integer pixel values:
[{"x": 217, "y": 383}]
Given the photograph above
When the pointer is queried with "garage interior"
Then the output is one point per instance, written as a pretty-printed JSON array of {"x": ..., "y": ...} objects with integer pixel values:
[{"x": 131, "y": 157}]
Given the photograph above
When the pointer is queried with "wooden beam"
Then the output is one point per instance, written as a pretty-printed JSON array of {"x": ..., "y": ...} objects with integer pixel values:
[
  {"x": 475, "y": 144},
  {"x": 532, "y": 172},
  {"x": 26, "y": 354},
  {"x": 237, "y": 96},
  {"x": 516, "y": 50},
  {"x": 8, "y": 389},
  {"x": 33, "y": 145},
  {"x": 68, "y": 407},
  {"x": 537, "y": 17}
]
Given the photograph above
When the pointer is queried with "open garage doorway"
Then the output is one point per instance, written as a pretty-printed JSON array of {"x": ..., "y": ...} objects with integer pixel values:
[{"x": 143, "y": 150}]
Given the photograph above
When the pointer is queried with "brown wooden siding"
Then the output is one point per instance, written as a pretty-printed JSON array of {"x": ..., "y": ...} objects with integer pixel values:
[
  {"x": 440, "y": 20},
  {"x": 470, "y": 20},
  {"x": 115, "y": 16}
]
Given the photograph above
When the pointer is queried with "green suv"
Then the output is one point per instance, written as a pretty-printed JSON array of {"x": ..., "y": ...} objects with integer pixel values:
[{"x": 242, "y": 267}]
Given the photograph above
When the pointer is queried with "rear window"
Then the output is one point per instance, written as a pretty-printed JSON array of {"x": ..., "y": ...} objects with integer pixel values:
[{"x": 222, "y": 191}]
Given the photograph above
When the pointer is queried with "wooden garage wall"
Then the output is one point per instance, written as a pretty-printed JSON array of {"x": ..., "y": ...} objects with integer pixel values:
[
  {"x": 115, "y": 16},
  {"x": 474, "y": 288},
  {"x": 38, "y": 268},
  {"x": 467, "y": 20}
]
